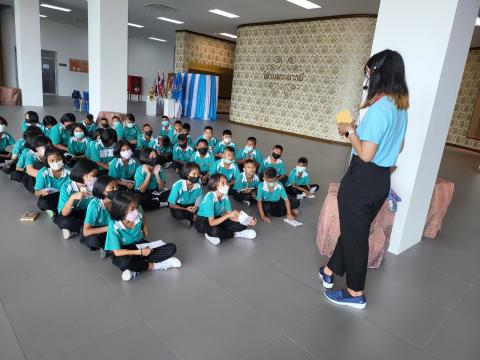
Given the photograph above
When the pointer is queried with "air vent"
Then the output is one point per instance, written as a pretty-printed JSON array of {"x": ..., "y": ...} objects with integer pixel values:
[{"x": 159, "y": 7}]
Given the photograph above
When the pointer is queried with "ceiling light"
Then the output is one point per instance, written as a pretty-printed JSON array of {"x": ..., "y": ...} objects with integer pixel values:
[
  {"x": 477, "y": 22},
  {"x": 136, "y": 25},
  {"x": 223, "y": 13},
  {"x": 157, "y": 39},
  {"x": 305, "y": 4},
  {"x": 55, "y": 7},
  {"x": 170, "y": 20},
  {"x": 43, "y": 16},
  {"x": 229, "y": 35}
]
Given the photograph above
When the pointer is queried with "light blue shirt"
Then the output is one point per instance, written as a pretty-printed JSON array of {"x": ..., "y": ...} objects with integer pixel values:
[
  {"x": 181, "y": 195},
  {"x": 385, "y": 125}
]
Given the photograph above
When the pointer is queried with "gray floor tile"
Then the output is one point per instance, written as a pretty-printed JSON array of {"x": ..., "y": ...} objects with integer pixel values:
[
  {"x": 9, "y": 346},
  {"x": 469, "y": 304},
  {"x": 282, "y": 348},
  {"x": 215, "y": 326},
  {"x": 457, "y": 338},
  {"x": 337, "y": 333},
  {"x": 136, "y": 341}
]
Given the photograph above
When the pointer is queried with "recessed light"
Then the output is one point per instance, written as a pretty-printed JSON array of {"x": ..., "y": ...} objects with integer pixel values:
[
  {"x": 229, "y": 35},
  {"x": 136, "y": 25},
  {"x": 43, "y": 16},
  {"x": 157, "y": 39},
  {"x": 170, "y": 20},
  {"x": 55, "y": 7},
  {"x": 477, "y": 22},
  {"x": 305, "y": 4},
  {"x": 223, "y": 13}
]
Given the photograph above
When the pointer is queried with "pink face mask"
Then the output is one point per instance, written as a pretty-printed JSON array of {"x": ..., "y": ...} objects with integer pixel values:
[{"x": 132, "y": 216}]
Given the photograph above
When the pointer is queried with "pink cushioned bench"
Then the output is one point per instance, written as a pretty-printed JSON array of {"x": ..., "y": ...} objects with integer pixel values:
[{"x": 328, "y": 229}]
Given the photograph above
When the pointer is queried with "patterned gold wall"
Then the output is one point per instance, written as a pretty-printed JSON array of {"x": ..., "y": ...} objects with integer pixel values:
[
  {"x": 190, "y": 47},
  {"x": 296, "y": 76},
  {"x": 467, "y": 96}
]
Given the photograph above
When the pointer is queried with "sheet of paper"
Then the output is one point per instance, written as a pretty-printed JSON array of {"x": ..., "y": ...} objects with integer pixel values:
[
  {"x": 244, "y": 218},
  {"x": 51, "y": 190},
  {"x": 293, "y": 222},
  {"x": 151, "y": 245}
]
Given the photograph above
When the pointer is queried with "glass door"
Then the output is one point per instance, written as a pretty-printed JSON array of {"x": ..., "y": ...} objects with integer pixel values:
[{"x": 49, "y": 72}]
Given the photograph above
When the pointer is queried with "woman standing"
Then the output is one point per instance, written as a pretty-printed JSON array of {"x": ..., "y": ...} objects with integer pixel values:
[{"x": 376, "y": 144}]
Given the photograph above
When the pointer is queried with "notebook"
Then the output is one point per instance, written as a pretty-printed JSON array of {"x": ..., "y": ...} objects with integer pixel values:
[
  {"x": 29, "y": 216},
  {"x": 344, "y": 117},
  {"x": 293, "y": 222}
]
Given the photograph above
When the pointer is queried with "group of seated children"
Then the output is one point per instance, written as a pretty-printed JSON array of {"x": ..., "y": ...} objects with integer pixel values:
[{"x": 97, "y": 179}]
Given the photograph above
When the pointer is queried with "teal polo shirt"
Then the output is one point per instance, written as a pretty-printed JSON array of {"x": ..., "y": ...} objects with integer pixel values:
[
  {"x": 242, "y": 183},
  {"x": 101, "y": 153},
  {"x": 25, "y": 126},
  {"x": 69, "y": 188},
  {"x": 90, "y": 146},
  {"x": 173, "y": 136},
  {"x": 384, "y": 125},
  {"x": 90, "y": 128},
  {"x": 6, "y": 140},
  {"x": 78, "y": 146},
  {"x": 204, "y": 163},
  {"x": 140, "y": 178},
  {"x": 220, "y": 147},
  {"x": 59, "y": 135},
  {"x": 181, "y": 195},
  {"x": 255, "y": 155},
  {"x": 182, "y": 155},
  {"x": 142, "y": 142},
  {"x": 168, "y": 131},
  {"x": 132, "y": 133},
  {"x": 118, "y": 170},
  {"x": 219, "y": 168},
  {"x": 118, "y": 127},
  {"x": 210, "y": 206},
  {"x": 97, "y": 215},
  {"x": 296, "y": 179},
  {"x": 263, "y": 193},
  {"x": 21, "y": 159},
  {"x": 46, "y": 180},
  {"x": 119, "y": 236},
  {"x": 279, "y": 166},
  {"x": 18, "y": 147},
  {"x": 162, "y": 149},
  {"x": 31, "y": 159},
  {"x": 211, "y": 143}
]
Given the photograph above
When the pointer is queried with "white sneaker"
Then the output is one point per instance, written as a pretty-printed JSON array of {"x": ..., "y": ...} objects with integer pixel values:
[
  {"x": 300, "y": 196},
  {"x": 172, "y": 262},
  {"x": 213, "y": 240},
  {"x": 246, "y": 203},
  {"x": 163, "y": 204},
  {"x": 67, "y": 234},
  {"x": 50, "y": 213},
  {"x": 167, "y": 165},
  {"x": 247, "y": 234},
  {"x": 313, "y": 189},
  {"x": 128, "y": 275}
]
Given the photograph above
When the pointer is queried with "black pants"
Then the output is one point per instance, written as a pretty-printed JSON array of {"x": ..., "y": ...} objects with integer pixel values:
[
  {"x": 362, "y": 192},
  {"x": 225, "y": 230},
  {"x": 94, "y": 242},
  {"x": 29, "y": 183},
  {"x": 49, "y": 202},
  {"x": 168, "y": 157},
  {"x": 177, "y": 165},
  {"x": 241, "y": 196},
  {"x": 180, "y": 214},
  {"x": 72, "y": 222},
  {"x": 139, "y": 263},
  {"x": 16, "y": 175},
  {"x": 150, "y": 201},
  {"x": 278, "y": 208},
  {"x": 291, "y": 190}
]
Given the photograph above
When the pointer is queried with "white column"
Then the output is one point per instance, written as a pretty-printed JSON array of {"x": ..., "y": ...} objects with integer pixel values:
[
  {"x": 433, "y": 37},
  {"x": 107, "y": 55},
  {"x": 29, "y": 55}
]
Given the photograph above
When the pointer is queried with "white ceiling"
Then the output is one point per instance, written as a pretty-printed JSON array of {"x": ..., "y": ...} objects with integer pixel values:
[{"x": 197, "y": 18}]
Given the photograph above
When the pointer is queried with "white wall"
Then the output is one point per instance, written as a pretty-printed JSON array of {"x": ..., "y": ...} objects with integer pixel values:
[{"x": 145, "y": 57}]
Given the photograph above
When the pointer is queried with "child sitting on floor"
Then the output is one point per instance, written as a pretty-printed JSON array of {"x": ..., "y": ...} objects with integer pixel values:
[
  {"x": 299, "y": 182},
  {"x": 246, "y": 183}
]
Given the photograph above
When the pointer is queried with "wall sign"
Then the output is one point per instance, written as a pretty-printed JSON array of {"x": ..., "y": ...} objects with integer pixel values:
[
  {"x": 78, "y": 65},
  {"x": 283, "y": 76}
]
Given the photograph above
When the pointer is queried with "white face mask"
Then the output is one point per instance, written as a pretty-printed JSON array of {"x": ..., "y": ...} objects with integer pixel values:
[
  {"x": 89, "y": 184},
  {"x": 2, "y": 128},
  {"x": 41, "y": 151},
  {"x": 301, "y": 169},
  {"x": 126, "y": 154},
  {"x": 56, "y": 165},
  {"x": 224, "y": 189},
  {"x": 129, "y": 125},
  {"x": 248, "y": 148},
  {"x": 227, "y": 140},
  {"x": 271, "y": 183}
]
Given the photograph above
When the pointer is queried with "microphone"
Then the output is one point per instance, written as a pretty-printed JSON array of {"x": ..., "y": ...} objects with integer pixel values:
[{"x": 365, "y": 87}]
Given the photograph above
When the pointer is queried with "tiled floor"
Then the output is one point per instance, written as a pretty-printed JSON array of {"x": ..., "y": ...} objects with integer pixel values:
[{"x": 251, "y": 300}]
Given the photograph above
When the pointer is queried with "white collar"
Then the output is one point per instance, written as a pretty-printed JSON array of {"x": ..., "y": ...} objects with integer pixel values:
[
  {"x": 64, "y": 172},
  {"x": 231, "y": 143},
  {"x": 186, "y": 149},
  {"x": 267, "y": 160},
  {"x": 222, "y": 164},
  {"x": 215, "y": 199},
  {"x": 254, "y": 151},
  {"x": 244, "y": 177},
  {"x": 304, "y": 173},
  {"x": 122, "y": 226},
  {"x": 84, "y": 139},
  {"x": 3, "y": 135},
  {"x": 265, "y": 186},
  {"x": 120, "y": 162},
  {"x": 185, "y": 188}
]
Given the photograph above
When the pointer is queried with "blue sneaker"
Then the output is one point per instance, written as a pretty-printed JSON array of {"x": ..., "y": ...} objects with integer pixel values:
[
  {"x": 327, "y": 279},
  {"x": 342, "y": 297}
]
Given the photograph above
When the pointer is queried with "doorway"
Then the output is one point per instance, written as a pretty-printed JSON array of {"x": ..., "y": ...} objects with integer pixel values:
[{"x": 49, "y": 72}]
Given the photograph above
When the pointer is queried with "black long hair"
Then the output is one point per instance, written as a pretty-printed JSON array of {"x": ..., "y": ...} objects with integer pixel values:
[
  {"x": 387, "y": 76},
  {"x": 120, "y": 203}
]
